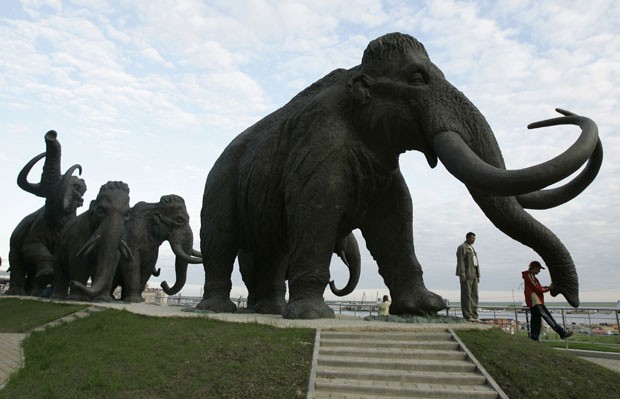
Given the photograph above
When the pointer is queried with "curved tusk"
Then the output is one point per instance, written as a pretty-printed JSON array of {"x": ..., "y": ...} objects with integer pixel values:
[
  {"x": 332, "y": 284},
  {"x": 196, "y": 253},
  {"x": 22, "y": 178},
  {"x": 348, "y": 251},
  {"x": 156, "y": 272},
  {"x": 164, "y": 286},
  {"x": 181, "y": 254},
  {"x": 126, "y": 252},
  {"x": 88, "y": 247},
  {"x": 466, "y": 166},
  {"x": 65, "y": 181},
  {"x": 545, "y": 199}
]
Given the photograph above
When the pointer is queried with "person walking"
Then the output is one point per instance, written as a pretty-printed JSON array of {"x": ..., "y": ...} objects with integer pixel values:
[
  {"x": 468, "y": 271},
  {"x": 535, "y": 300}
]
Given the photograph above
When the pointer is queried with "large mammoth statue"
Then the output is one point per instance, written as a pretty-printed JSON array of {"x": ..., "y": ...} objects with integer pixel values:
[
  {"x": 148, "y": 226},
  {"x": 91, "y": 245},
  {"x": 293, "y": 185},
  {"x": 33, "y": 241}
]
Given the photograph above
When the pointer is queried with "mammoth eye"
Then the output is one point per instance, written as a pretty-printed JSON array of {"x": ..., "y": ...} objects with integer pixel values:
[
  {"x": 181, "y": 220},
  {"x": 100, "y": 210},
  {"x": 416, "y": 79}
]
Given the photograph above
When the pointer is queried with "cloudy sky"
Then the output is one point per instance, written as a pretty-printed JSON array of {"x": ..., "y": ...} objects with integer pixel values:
[{"x": 150, "y": 93}]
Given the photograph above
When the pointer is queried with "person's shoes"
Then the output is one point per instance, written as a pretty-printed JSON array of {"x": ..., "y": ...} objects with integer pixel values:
[
  {"x": 567, "y": 335},
  {"x": 472, "y": 320}
]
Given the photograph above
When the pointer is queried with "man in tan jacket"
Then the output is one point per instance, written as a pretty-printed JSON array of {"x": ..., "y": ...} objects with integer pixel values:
[{"x": 468, "y": 270}]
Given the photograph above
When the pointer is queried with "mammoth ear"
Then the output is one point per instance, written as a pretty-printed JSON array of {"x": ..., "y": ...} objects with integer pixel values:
[
  {"x": 156, "y": 218},
  {"x": 359, "y": 87}
]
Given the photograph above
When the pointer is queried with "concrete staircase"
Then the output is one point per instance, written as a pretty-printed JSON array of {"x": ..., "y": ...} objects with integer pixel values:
[{"x": 388, "y": 364}]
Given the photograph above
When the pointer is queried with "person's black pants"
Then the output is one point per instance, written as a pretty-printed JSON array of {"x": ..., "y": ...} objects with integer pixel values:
[{"x": 538, "y": 313}]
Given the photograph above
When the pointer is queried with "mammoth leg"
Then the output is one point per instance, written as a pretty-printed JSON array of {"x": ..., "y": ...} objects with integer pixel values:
[
  {"x": 388, "y": 231},
  {"x": 61, "y": 284},
  {"x": 264, "y": 277},
  {"x": 42, "y": 274},
  {"x": 17, "y": 277},
  {"x": 219, "y": 235},
  {"x": 130, "y": 281},
  {"x": 219, "y": 246},
  {"x": 270, "y": 286},
  {"x": 220, "y": 252},
  {"x": 311, "y": 244},
  {"x": 247, "y": 268}
]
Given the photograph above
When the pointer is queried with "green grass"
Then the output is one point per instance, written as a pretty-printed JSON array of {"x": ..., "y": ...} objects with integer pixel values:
[
  {"x": 22, "y": 315},
  {"x": 122, "y": 355},
  {"x": 529, "y": 369},
  {"x": 588, "y": 346},
  {"x": 604, "y": 343}
]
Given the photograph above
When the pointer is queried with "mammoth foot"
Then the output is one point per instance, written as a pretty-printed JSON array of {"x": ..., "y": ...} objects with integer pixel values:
[
  {"x": 217, "y": 305},
  {"x": 422, "y": 302},
  {"x": 16, "y": 291},
  {"x": 134, "y": 298},
  {"x": 308, "y": 308},
  {"x": 275, "y": 306},
  {"x": 103, "y": 298},
  {"x": 77, "y": 297}
]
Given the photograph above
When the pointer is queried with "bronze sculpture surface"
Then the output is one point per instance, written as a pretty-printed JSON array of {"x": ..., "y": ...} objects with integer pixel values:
[
  {"x": 288, "y": 189},
  {"x": 33, "y": 242}
]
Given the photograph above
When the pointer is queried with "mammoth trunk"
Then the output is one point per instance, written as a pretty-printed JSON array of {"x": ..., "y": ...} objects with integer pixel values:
[
  {"x": 180, "y": 268},
  {"x": 107, "y": 255},
  {"x": 51, "y": 168},
  {"x": 508, "y": 216},
  {"x": 183, "y": 258}
]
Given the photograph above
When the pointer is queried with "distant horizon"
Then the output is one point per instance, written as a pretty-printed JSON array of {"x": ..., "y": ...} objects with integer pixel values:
[{"x": 486, "y": 296}]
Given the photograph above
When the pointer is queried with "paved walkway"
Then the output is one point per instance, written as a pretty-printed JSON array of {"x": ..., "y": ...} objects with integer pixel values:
[{"x": 11, "y": 354}]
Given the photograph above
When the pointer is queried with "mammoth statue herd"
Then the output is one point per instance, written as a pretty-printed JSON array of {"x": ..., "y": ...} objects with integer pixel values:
[
  {"x": 111, "y": 244},
  {"x": 287, "y": 193}
]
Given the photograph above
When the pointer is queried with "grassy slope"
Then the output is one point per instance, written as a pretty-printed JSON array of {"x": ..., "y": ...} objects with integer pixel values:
[
  {"x": 122, "y": 355},
  {"x": 528, "y": 369},
  {"x": 22, "y": 315}
]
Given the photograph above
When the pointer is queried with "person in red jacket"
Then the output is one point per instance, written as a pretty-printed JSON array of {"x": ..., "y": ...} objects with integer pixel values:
[{"x": 535, "y": 300}]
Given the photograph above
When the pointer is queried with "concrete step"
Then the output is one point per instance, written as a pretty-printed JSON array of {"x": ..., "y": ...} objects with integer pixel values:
[
  {"x": 420, "y": 377},
  {"x": 404, "y": 390},
  {"x": 392, "y": 353},
  {"x": 438, "y": 335},
  {"x": 397, "y": 364},
  {"x": 403, "y": 344},
  {"x": 379, "y": 364}
]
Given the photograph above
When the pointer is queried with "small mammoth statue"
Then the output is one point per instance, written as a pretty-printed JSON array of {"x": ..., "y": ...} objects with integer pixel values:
[
  {"x": 91, "y": 246},
  {"x": 148, "y": 226},
  {"x": 33, "y": 242}
]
